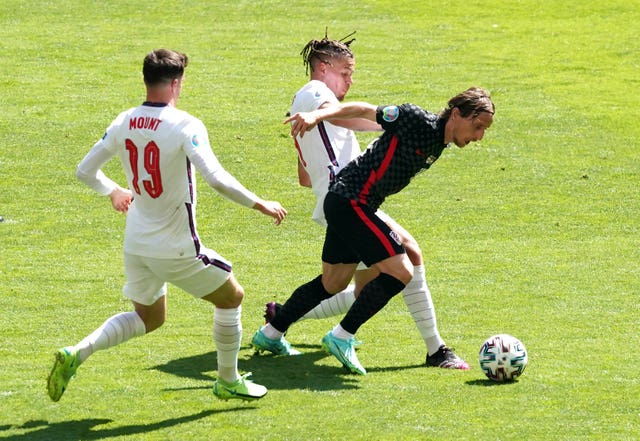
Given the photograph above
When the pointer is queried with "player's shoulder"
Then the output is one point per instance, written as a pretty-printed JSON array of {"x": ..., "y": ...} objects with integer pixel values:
[
  {"x": 405, "y": 115},
  {"x": 311, "y": 96},
  {"x": 414, "y": 108},
  {"x": 417, "y": 117},
  {"x": 181, "y": 118},
  {"x": 414, "y": 111},
  {"x": 313, "y": 86},
  {"x": 125, "y": 114},
  {"x": 174, "y": 112}
]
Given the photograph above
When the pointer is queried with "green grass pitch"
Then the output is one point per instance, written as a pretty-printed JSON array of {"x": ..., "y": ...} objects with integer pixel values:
[{"x": 534, "y": 231}]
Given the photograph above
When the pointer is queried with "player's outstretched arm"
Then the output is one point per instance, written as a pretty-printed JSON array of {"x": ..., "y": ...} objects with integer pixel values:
[
  {"x": 228, "y": 186},
  {"x": 356, "y": 124},
  {"x": 304, "y": 121}
]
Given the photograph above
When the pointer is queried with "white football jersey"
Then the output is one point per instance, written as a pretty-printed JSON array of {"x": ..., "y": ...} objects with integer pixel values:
[
  {"x": 158, "y": 146},
  {"x": 325, "y": 149}
]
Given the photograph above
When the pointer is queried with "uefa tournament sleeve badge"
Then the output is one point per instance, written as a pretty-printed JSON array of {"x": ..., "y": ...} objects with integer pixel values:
[{"x": 390, "y": 113}]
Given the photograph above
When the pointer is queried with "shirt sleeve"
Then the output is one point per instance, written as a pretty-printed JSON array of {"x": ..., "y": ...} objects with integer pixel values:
[
  {"x": 323, "y": 95},
  {"x": 89, "y": 172},
  {"x": 201, "y": 155},
  {"x": 388, "y": 116},
  {"x": 312, "y": 97}
]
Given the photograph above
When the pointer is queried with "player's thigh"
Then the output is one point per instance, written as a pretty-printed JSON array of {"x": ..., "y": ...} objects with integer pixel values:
[
  {"x": 408, "y": 241},
  {"x": 143, "y": 285},
  {"x": 398, "y": 266},
  {"x": 199, "y": 275},
  {"x": 395, "y": 226},
  {"x": 228, "y": 295},
  {"x": 336, "y": 277}
]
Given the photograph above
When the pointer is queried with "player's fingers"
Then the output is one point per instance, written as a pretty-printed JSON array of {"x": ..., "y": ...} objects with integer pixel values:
[
  {"x": 280, "y": 215},
  {"x": 301, "y": 129},
  {"x": 295, "y": 128}
]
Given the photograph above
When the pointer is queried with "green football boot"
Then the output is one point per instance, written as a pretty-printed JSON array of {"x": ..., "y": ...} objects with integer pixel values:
[
  {"x": 241, "y": 389},
  {"x": 281, "y": 346},
  {"x": 64, "y": 368},
  {"x": 344, "y": 351}
]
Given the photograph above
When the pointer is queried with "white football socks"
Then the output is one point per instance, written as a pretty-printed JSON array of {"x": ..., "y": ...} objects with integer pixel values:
[
  {"x": 271, "y": 332},
  {"x": 227, "y": 335},
  {"x": 337, "y": 304},
  {"x": 418, "y": 299},
  {"x": 115, "y": 330},
  {"x": 339, "y": 332}
]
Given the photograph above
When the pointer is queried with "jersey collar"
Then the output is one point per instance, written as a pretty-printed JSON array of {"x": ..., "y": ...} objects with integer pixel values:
[{"x": 151, "y": 104}]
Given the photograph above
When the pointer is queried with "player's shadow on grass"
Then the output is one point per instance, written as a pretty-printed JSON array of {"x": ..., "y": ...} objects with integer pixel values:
[
  {"x": 275, "y": 372},
  {"x": 76, "y": 430},
  {"x": 489, "y": 383},
  {"x": 395, "y": 368}
]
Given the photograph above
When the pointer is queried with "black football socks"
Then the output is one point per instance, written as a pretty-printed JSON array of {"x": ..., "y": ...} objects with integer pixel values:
[
  {"x": 303, "y": 300},
  {"x": 374, "y": 296}
]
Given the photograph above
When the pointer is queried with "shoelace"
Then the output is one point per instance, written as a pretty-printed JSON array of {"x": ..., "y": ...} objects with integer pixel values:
[{"x": 355, "y": 342}]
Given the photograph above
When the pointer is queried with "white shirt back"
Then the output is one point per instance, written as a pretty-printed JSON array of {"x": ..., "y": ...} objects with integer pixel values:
[
  {"x": 325, "y": 149},
  {"x": 156, "y": 146}
]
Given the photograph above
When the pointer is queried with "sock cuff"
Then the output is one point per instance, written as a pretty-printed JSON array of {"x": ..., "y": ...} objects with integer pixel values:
[
  {"x": 319, "y": 288},
  {"x": 227, "y": 315},
  {"x": 139, "y": 327}
]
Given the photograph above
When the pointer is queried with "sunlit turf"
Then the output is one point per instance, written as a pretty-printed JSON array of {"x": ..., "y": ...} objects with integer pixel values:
[{"x": 533, "y": 232}]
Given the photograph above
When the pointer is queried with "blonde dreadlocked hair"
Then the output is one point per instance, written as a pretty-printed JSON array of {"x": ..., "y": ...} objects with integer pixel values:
[{"x": 325, "y": 49}]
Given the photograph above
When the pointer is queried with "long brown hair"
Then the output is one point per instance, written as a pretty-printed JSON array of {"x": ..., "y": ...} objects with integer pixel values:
[{"x": 471, "y": 102}]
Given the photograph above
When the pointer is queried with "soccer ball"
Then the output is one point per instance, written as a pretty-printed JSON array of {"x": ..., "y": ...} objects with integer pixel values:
[{"x": 503, "y": 357}]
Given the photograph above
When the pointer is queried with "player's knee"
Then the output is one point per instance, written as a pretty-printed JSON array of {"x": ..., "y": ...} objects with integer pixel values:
[
  {"x": 232, "y": 299},
  {"x": 404, "y": 275},
  {"x": 414, "y": 253},
  {"x": 238, "y": 295},
  {"x": 334, "y": 286},
  {"x": 153, "y": 322},
  {"x": 229, "y": 295},
  {"x": 399, "y": 267},
  {"x": 153, "y": 316}
]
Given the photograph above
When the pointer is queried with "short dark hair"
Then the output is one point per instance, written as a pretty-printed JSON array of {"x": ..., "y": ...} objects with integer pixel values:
[
  {"x": 471, "y": 102},
  {"x": 163, "y": 66},
  {"x": 324, "y": 50}
]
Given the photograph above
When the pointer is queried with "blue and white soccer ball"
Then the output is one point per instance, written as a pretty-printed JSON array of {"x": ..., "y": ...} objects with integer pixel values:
[{"x": 503, "y": 357}]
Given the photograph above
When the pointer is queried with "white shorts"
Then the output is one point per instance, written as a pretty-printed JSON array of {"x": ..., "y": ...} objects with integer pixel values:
[{"x": 200, "y": 275}]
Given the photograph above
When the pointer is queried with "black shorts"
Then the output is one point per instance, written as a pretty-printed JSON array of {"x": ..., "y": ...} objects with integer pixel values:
[{"x": 355, "y": 234}]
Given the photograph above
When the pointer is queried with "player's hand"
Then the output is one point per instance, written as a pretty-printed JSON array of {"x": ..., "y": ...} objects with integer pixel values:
[
  {"x": 121, "y": 199},
  {"x": 273, "y": 209},
  {"x": 301, "y": 122}
]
